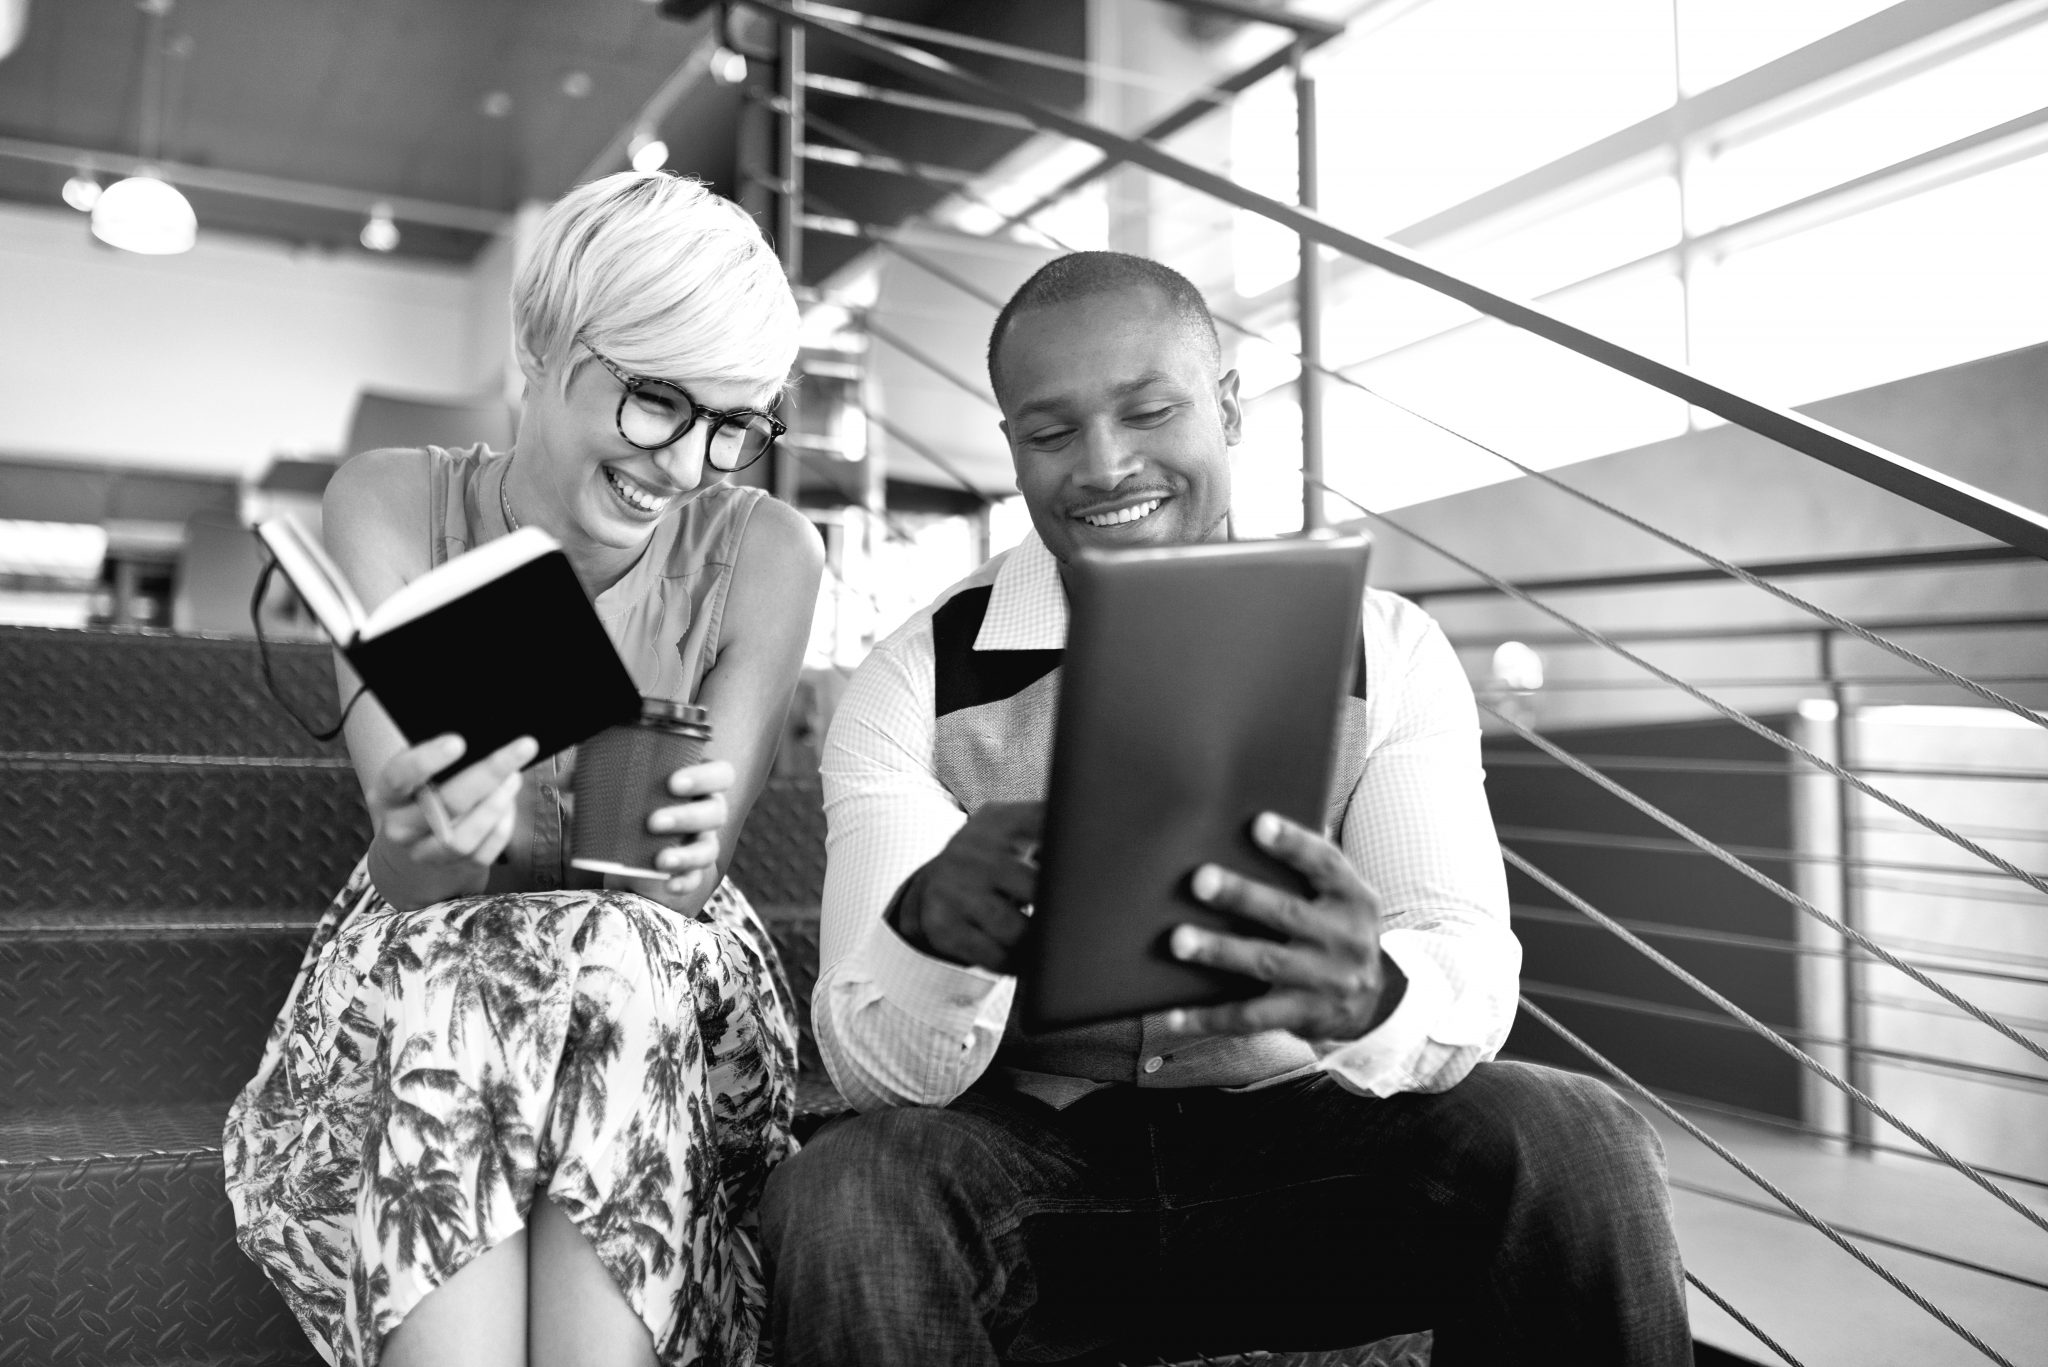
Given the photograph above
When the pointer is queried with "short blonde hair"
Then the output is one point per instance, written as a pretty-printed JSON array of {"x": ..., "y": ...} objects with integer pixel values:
[{"x": 660, "y": 274}]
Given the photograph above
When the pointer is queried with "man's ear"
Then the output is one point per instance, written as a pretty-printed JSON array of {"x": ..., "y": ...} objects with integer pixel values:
[{"x": 1233, "y": 411}]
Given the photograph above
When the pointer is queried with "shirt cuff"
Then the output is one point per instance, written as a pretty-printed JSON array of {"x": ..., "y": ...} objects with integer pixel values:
[
  {"x": 1378, "y": 1063},
  {"x": 946, "y": 996}
]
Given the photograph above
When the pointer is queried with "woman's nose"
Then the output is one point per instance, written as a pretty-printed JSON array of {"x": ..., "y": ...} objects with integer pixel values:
[{"x": 682, "y": 460}]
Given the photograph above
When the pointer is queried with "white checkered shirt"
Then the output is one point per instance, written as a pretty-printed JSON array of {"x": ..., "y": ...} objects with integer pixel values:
[{"x": 899, "y": 1028}]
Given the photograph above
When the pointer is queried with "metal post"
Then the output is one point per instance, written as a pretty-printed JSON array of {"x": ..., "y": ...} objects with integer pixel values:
[
  {"x": 1308, "y": 299},
  {"x": 789, "y": 203},
  {"x": 789, "y": 92},
  {"x": 1853, "y": 1024}
]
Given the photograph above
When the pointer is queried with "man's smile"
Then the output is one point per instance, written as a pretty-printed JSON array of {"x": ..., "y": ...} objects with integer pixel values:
[{"x": 1116, "y": 517}]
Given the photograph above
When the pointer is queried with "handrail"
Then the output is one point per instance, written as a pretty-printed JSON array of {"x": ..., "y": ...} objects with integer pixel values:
[{"x": 1987, "y": 513}]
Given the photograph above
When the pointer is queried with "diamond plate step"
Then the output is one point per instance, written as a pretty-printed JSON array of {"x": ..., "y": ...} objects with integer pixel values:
[
  {"x": 155, "y": 693},
  {"x": 167, "y": 838},
  {"x": 123, "y": 1252},
  {"x": 156, "y": 836}
]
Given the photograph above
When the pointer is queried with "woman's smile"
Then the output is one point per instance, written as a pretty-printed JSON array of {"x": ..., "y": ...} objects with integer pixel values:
[{"x": 639, "y": 497}]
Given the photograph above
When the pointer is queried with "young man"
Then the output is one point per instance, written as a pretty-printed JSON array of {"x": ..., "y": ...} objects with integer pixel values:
[{"x": 1329, "y": 1163}]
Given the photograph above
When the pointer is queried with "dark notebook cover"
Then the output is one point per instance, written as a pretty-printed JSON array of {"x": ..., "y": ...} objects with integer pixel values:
[
  {"x": 1201, "y": 685},
  {"x": 522, "y": 655},
  {"x": 498, "y": 643}
]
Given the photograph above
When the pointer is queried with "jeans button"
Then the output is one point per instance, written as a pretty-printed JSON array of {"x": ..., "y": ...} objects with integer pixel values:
[{"x": 1154, "y": 1064}]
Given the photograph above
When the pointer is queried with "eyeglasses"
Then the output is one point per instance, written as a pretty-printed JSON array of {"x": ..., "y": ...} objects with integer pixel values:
[{"x": 656, "y": 413}]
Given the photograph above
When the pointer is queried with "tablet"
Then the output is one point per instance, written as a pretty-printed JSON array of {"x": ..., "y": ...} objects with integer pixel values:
[{"x": 1201, "y": 685}]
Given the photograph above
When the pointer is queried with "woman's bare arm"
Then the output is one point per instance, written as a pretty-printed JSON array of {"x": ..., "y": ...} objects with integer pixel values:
[
  {"x": 374, "y": 522},
  {"x": 766, "y": 627}
]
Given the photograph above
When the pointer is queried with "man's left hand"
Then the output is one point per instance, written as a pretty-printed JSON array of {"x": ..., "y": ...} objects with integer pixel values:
[{"x": 1329, "y": 980}]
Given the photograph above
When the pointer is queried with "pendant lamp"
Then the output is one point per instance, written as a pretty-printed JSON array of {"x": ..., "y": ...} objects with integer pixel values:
[{"x": 145, "y": 213}]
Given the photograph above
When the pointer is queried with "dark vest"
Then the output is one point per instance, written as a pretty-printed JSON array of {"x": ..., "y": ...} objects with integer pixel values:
[{"x": 993, "y": 713}]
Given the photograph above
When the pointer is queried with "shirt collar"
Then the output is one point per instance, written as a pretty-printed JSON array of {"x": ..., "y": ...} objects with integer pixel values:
[{"x": 1027, "y": 610}]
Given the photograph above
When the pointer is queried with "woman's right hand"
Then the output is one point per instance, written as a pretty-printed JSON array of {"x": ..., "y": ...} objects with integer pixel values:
[{"x": 481, "y": 802}]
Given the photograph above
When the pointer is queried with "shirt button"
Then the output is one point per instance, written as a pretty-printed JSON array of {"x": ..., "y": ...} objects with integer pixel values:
[
  {"x": 547, "y": 790},
  {"x": 1154, "y": 1064}
]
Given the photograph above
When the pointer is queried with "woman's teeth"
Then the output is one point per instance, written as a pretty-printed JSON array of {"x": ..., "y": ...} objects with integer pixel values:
[
  {"x": 1122, "y": 515},
  {"x": 633, "y": 494}
]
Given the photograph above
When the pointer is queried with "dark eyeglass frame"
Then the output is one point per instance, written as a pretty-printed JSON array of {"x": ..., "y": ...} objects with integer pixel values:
[{"x": 629, "y": 384}]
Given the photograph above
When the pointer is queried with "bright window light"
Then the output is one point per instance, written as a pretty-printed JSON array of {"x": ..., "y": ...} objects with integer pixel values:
[
  {"x": 1721, "y": 39},
  {"x": 52, "y": 550},
  {"x": 1262, "y": 158},
  {"x": 1935, "y": 280},
  {"x": 1461, "y": 95},
  {"x": 1976, "y": 91},
  {"x": 1510, "y": 390},
  {"x": 1566, "y": 247}
]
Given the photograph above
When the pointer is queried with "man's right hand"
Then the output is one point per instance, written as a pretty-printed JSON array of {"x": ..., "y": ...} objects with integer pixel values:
[{"x": 967, "y": 905}]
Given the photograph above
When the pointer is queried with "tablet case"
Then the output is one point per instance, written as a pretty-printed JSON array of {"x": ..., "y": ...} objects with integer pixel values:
[{"x": 1201, "y": 686}]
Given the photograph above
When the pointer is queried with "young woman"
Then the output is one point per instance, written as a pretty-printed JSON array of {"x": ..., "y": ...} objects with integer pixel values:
[{"x": 506, "y": 1116}]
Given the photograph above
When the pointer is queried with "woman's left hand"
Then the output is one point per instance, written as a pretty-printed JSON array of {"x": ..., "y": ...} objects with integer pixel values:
[{"x": 694, "y": 821}]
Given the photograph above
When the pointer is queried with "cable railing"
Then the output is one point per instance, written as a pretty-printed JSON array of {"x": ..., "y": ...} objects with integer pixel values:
[{"x": 2022, "y": 534}]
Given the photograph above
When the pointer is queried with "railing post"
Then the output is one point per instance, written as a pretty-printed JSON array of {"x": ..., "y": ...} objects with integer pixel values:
[
  {"x": 789, "y": 202},
  {"x": 1308, "y": 298},
  {"x": 1858, "y": 1063}
]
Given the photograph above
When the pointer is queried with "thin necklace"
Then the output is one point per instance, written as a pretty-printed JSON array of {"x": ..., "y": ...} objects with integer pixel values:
[{"x": 505, "y": 500}]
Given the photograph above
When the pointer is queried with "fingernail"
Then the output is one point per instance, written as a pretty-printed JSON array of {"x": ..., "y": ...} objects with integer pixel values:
[
  {"x": 1266, "y": 829},
  {"x": 1186, "y": 940},
  {"x": 1207, "y": 881}
]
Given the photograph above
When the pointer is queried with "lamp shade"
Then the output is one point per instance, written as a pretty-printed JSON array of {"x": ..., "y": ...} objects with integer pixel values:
[{"x": 144, "y": 214}]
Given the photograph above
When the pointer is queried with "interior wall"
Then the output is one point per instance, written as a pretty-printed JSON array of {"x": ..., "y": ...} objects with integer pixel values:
[
  {"x": 1745, "y": 496},
  {"x": 219, "y": 359}
]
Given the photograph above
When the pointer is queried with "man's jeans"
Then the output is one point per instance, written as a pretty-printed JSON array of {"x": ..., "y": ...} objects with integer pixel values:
[{"x": 1522, "y": 1215}]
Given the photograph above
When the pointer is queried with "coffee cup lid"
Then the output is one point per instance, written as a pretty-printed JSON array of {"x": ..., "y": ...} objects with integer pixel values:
[{"x": 671, "y": 713}]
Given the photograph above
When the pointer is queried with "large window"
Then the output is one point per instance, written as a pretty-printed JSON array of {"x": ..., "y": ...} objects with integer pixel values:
[{"x": 1796, "y": 199}]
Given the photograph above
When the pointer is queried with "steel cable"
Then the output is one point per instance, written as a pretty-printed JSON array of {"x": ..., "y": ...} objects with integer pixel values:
[
  {"x": 1705, "y": 556},
  {"x": 1917, "y": 1250},
  {"x": 1784, "y": 1198},
  {"x": 1727, "y": 567},
  {"x": 1734, "y": 714},
  {"x": 1742, "y": 1319},
  {"x": 1793, "y": 1051},
  {"x": 1657, "y": 814}
]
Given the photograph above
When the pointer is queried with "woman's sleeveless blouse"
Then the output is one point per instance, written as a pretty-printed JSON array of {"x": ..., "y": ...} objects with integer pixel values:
[{"x": 663, "y": 615}]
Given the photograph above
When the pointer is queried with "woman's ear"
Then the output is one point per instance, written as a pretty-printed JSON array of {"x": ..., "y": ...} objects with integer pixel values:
[{"x": 529, "y": 364}]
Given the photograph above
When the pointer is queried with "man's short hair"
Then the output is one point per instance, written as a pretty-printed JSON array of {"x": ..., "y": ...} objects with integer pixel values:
[
  {"x": 1082, "y": 275},
  {"x": 660, "y": 274}
]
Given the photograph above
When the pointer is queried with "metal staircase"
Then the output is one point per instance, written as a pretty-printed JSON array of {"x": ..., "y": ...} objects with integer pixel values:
[{"x": 167, "y": 840}]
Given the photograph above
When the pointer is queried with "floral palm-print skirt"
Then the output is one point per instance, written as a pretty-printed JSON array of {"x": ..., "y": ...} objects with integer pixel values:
[{"x": 435, "y": 1071}]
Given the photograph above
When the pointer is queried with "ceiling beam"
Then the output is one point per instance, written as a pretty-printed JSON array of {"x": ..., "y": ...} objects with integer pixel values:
[{"x": 249, "y": 185}]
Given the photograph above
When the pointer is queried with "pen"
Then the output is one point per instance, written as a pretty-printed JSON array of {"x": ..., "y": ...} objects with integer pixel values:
[{"x": 437, "y": 814}]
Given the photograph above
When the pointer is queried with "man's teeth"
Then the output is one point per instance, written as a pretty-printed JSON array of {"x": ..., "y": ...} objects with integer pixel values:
[
  {"x": 1122, "y": 515},
  {"x": 633, "y": 494}
]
